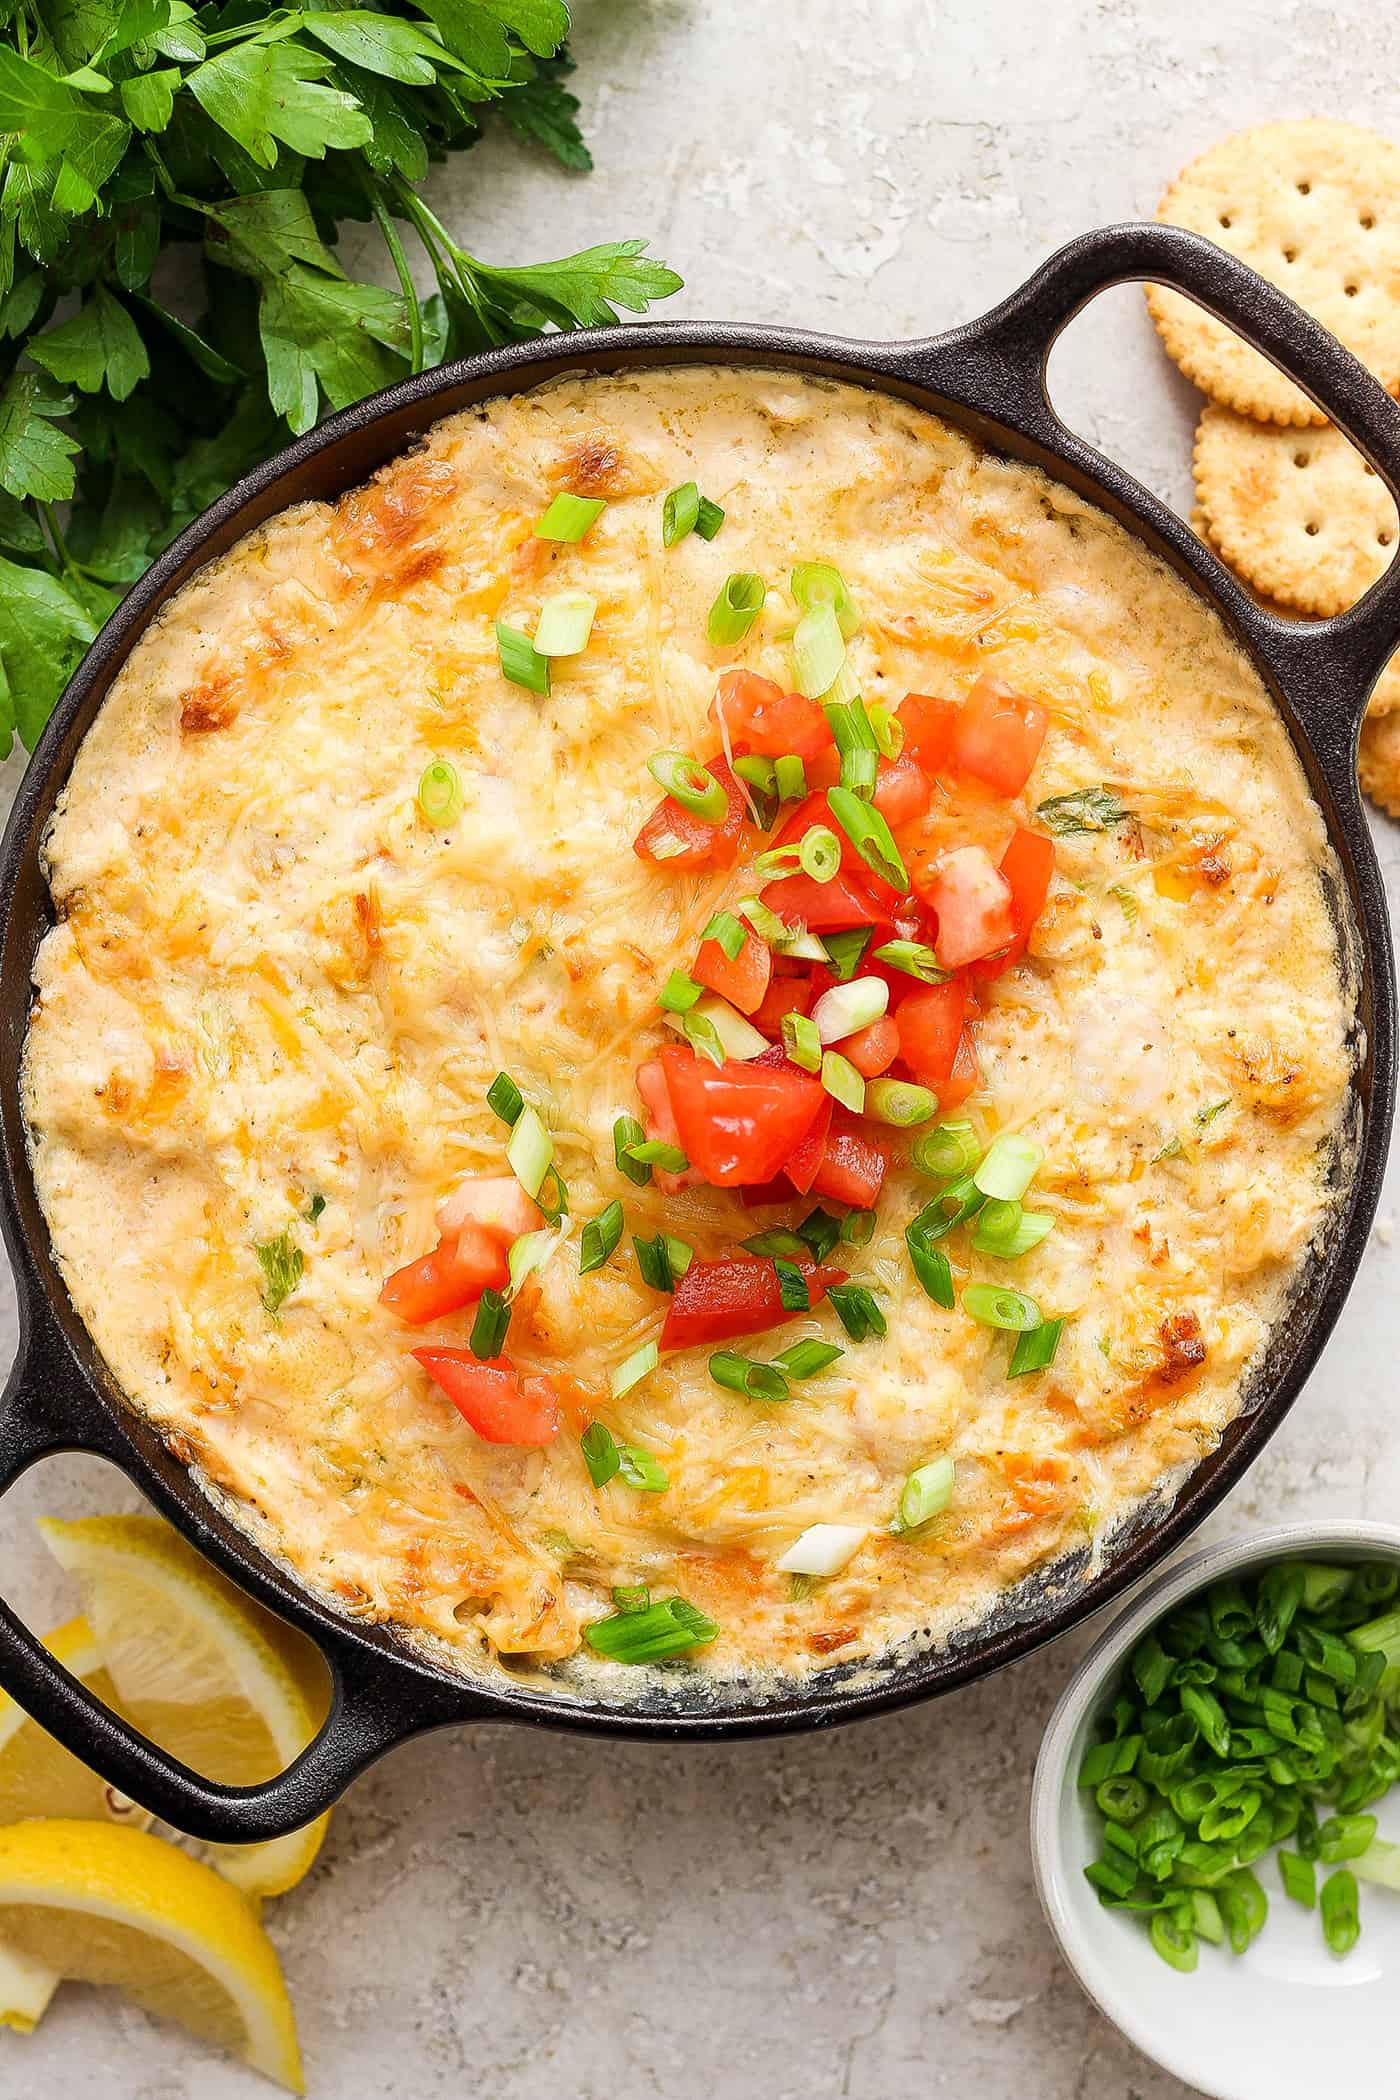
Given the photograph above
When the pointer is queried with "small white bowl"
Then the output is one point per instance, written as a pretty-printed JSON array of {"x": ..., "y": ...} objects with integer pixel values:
[{"x": 1285, "y": 2021}]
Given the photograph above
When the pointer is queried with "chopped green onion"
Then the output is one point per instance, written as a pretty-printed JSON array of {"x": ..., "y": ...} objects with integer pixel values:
[
  {"x": 805, "y": 1359},
  {"x": 530, "y": 1153},
  {"x": 490, "y": 1324},
  {"x": 653, "y": 1635},
  {"x": 859, "y": 772},
  {"x": 728, "y": 931},
  {"x": 600, "y": 1238},
  {"x": 816, "y": 584},
  {"x": 1035, "y": 1348},
  {"x": 842, "y": 1081},
  {"x": 315, "y": 1207},
  {"x": 569, "y": 517},
  {"x": 778, "y": 1240},
  {"x": 440, "y": 795},
  {"x": 790, "y": 776},
  {"x": 641, "y": 1469},
  {"x": 690, "y": 784},
  {"x": 955, "y": 1204},
  {"x": 734, "y": 611},
  {"x": 819, "y": 853},
  {"x": 870, "y": 835},
  {"x": 788, "y": 940},
  {"x": 711, "y": 517},
  {"x": 858, "y": 1228},
  {"x": 857, "y": 1311},
  {"x": 818, "y": 651},
  {"x": 1344, "y": 1838},
  {"x": 702, "y": 1035},
  {"x": 504, "y": 1098},
  {"x": 633, "y": 1369},
  {"x": 1010, "y": 1166},
  {"x": 663, "y": 1260},
  {"x": 679, "y": 513},
  {"x": 845, "y": 950},
  {"x": 631, "y": 1596},
  {"x": 889, "y": 730},
  {"x": 600, "y": 1453},
  {"x": 822, "y": 1549},
  {"x": 1175, "y": 1941},
  {"x": 565, "y": 623},
  {"x": 1341, "y": 1919},
  {"x": 801, "y": 1042},
  {"x": 1007, "y": 1231},
  {"x": 847, "y": 1008},
  {"x": 899, "y": 1103},
  {"x": 528, "y": 1253},
  {"x": 627, "y": 1132},
  {"x": 679, "y": 993},
  {"x": 1379, "y": 1865},
  {"x": 521, "y": 662},
  {"x": 792, "y": 1289},
  {"x": 1299, "y": 1878},
  {"x": 820, "y": 1232},
  {"x": 760, "y": 774},
  {"x": 776, "y": 862},
  {"x": 679, "y": 1254},
  {"x": 655, "y": 1152},
  {"x": 915, "y": 958},
  {"x": 1012, "y": 1311},
  {"x": 931, "y": 1266},
  {"x": 925, "y": 1495},
  {"x": 850, "y": 726},
  {"x": 716, "y": 1028},
  {"x": 951, "y": 1148},
  {"x": 739, "y": 1375}
]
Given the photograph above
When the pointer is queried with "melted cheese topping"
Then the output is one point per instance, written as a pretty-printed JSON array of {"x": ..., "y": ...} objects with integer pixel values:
[{"x": 272, "y": 980}]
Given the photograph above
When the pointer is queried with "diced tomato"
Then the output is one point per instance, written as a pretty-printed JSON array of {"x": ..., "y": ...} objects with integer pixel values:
[
  {"x": 964, "y": 1079},
  {"x": 738, "y": 1122},
  {"x": 1028, "y": 863},
  {"x": 494, "y": 1202},
  {"x": 817, "y": 810},
  {"x": 930, "y": 1025},
  {"x": 824, "y": 771},
  {"x": 785, "y": 995},
  {"x": 999, "y": 735},
  {"x": 874, "y": 1049},
  {"x": 778, "y": 1190},
  {"x": 825, "y": 907},
  {"x": 903, "y": 790},
  {"x": 660, "y": 1125},
  {"x": 801, "y": 1169},
  {"x": 501, "y": 1406},
  {"x": 715, "y": 1300},
  {"x": 853, "y": 1166},
  {"x": 701, "y": 845},
  {"x": 929, "y": 729},
  {"x": 760, "y": 716},
  {"x": 455, "y": 1274},
  {"x": 971, "y": 900},
  {"x": 742, "y": 980}
]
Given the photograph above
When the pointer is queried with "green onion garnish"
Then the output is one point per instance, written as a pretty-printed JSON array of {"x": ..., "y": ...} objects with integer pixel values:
[
  {"x": 728, "y": 931},
  {"x": 858, "y": 1228},
  {"x": 738, "y": 1374},
  {"x": 530, "y": 1153},
  {"x": 776, "y": 862},
  {"x": 1010, "y": 1166},
  {"x": 521, "y": 661},
  {"x": 915, "y": 958},
  {"x": 1012, "y": 1311},
  {"x": 701, "y": 1033},
  {"x": 653, "y": 1635},
  {"x": 870, "y": 835},
  {"x": 889, "y": 730},
  {"x": 734, "y": 611},
  {"x": 1035, "y": 1348},
  {"x": 690, "y": 784},
  {"x": 820, "y": 1232},
  {"x": 859, "y": 772},
  {"x": 600, "y": 1237},
  {"x": 440, "y": 795},
  {"x": 792, "y": 1289},
  {"x": 850, "y": 726},
  {"x": 899, "y": 1103},
  {"x": 679, "y": 993},
  {"x": 565, "y": 623},
  {"x": 654, "y": 1263},
  {"x": 778, "y": 934},
  {"x": 818, "y": 651},
  {"x": 790, "y": 778},
  {"x": 816, "y": 584},
  {"x": 951, "y": 1148},
  {"x": 627, "y": 1132},
  {"x": 569, "y": 517},
  {"x": 857, "y": 1311},
  {"x": 642, "y": 1469},
  {"x": 931, "y": 1265},
  {"x": 761, "y": 775},
  {"x": 1007, "y": 1231},
  {"x": 1341, "y": 1918},
  {"x": 819, "y": 853},
  {"x": 530, "y": 1252},
  {"x": 655, "y": 1152},
  {"x": 720, "y": 1030},
  {"x": 805, "y": 1359},
  {"x": 845, "y": 950},
  {"x": 710, "y": 518},
  {"x": 631, "y": 1596},
  {"x": 1299, "y": 1878},
  {"x": 489, "y": 1327},
  {"x": 600, "y": 1453},
  {"x": 504, "y": 1098},
  {"x": 776, "y": 1241},
  {"x": 847, "y": 1008},
  {"x": 679, "y": 513},
  {"x": 633, "y": 1369},
  {"x": 801, "y": 1042},
  {"x": 925, "y": 1495},
  {"x": 679, "y": 1254},
  {"x": 842, "y": 1081}
]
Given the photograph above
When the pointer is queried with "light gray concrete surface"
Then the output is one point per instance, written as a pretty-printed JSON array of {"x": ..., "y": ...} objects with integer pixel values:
[{"x": 532, "y": 1918}]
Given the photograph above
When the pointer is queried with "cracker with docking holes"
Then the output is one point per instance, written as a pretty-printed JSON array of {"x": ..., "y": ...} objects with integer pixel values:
[
  {"x": 1314, "y": 206},
  {"x": 1297, "y": 513}
]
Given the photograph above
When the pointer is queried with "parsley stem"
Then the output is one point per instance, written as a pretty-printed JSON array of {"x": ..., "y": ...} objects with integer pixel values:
[
  {"x": 406, "y": 284},
  {"x": 456, "y": 270}
]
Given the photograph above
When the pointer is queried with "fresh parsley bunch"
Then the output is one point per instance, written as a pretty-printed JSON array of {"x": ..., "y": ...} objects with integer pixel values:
[{"x": 244, "y": 135}]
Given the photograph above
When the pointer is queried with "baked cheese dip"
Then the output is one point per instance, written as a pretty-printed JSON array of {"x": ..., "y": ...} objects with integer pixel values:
[{"x": 702, "y": 1024}]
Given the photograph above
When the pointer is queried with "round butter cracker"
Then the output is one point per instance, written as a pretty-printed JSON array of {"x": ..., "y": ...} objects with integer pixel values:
[
  {"x": 1297, "y": 513},
  {"x": 1314, "y": 206}
]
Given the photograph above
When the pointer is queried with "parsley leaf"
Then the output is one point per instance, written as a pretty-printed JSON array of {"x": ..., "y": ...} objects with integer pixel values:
[
  {"x": 282, "y": 1265},
  {"x": 1087, "y": 809},
  {"x": 323, "y": 329},
  {"x": 262, "y": 93},
  {"x": 543, "y": 109},
  {"x": 44, "y": 629},
  {"x": 98, "y": 346},
  {"x": 35, "y": 458}
]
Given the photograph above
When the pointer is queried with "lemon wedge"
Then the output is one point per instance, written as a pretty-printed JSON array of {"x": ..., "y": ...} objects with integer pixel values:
[
  {"x": 97, "y": 1904},
  {"x": 38, "y": 1777},
  {"x": 201, "y": 1669}
]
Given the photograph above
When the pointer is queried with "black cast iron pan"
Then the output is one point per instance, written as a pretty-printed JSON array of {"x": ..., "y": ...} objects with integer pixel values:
[{"x": 989, "y": 379}]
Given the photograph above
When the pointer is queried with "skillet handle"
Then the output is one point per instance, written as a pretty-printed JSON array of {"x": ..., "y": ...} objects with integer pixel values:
[
  {"x": 998, "y": 364},
  {"x": 375, "y": 1704}
]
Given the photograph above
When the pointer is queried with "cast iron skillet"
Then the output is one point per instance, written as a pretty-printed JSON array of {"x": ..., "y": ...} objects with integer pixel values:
[{"x": 988, "y": 379}]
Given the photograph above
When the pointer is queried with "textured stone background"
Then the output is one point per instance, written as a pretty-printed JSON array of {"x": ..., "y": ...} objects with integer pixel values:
[{"x": 532, "y": 1918}]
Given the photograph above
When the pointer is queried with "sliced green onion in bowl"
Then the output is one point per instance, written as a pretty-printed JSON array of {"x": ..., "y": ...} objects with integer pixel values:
[
  {"x": 440, "y": 797},
  {"x": 847, "y": 1008},
  {"x": 600, "y": 1238},
  {"x": 949, "y": 1149},
  {"x": 530, "y": 1153},
  {"x": 819, "y": 853},
  {"x": 915, "y": 959},
  {"x": 899, "y": 1102},
  {"x": 818, "y": 651},
  {"x": 738, "y": 1374},
  {"x": 690, "y": 784},
  {"x": 521, "y": 662},
  {"x": 870, "y": 835},
  {"x": 822, "y": 1549},
  {"x": 790, "y": 778},
  {"x": 1010, "y": 1166},
  {"x": 802, "y": 1042},
  {"x": 730, "y": 933},
  {"x": 569, "y": 517},
  {"x": 565, "y": 623},
  {"x": 679, "y": 993},
  {"x": 925, "y": 1495},
  {"x": 1005, "y": 1230},
  {"x": 633, "y": 1369},
  {"x": 843, "y": 1082},
  {"x": 655, "y": 1635},
  {"x": 679, "y": 513},
  {"x": 1012, "y": 1311},
  {"x": 734, "y": 611},
  {"x": 805, "y": 1359},
  {"x": 816, "y": 584}
]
